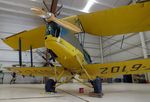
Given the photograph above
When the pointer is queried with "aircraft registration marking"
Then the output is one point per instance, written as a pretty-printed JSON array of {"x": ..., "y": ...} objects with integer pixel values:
[{"x": 123, "y": 69}]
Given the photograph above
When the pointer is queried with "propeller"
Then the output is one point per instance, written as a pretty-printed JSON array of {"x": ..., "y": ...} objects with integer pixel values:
[
  {"x": 51, "y": 17},
  {"x": 58, "y": 11}
]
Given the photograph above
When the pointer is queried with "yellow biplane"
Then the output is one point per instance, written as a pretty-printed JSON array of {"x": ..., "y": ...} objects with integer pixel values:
[{"x": 58, "y": 36}]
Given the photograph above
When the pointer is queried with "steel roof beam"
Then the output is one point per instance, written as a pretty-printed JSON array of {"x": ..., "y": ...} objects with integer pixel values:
[{"x": 136, "y": 45}]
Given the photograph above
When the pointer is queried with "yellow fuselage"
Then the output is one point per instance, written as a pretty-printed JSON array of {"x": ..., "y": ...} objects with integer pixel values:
[{"x": 66, "y": 52}]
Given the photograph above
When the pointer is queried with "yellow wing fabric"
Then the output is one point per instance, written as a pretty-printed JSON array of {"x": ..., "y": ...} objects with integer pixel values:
[
  {"x": 110, "y": 70},
  {"x": 34, "y": 38},
  {"x": 122, "y": 20},
  {"x": 37, "y": 71}
]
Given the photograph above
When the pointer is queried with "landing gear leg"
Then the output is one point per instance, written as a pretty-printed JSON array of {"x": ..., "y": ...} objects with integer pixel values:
[
  {"x": 97, "y": 85},
  {"x": 50, "y": 85}
]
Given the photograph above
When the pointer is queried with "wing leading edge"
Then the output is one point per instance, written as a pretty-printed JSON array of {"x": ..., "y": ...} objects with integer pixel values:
[
  {"x": 38, "y": 71},
  {"x": 34, "y": 38}
]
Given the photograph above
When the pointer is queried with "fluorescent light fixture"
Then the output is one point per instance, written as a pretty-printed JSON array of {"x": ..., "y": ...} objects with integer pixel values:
[
  {"x": 88, "y": 6},
  {"x": 33, "y": 0}
]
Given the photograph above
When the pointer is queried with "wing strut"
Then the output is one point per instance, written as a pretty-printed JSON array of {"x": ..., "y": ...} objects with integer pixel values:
[
  {"x": 89, "y": 77},
  {"x": 31, "y": 56},
  {"x": 20, "y": 52}
]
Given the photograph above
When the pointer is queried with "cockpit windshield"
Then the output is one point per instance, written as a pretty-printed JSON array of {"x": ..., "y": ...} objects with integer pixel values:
[{"x": 53, "y": 29}]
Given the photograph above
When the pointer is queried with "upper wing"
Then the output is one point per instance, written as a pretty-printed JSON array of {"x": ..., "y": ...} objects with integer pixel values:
[
  {"x": 126, "y": 19},
  {"x": 122, "y": 20},
  {"x": 38, "y": 71},
  {"x": 109, "y": 70},
  {"x": 34, "y": 38}
]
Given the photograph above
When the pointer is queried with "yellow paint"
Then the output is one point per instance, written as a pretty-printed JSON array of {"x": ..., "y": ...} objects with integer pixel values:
[
  {"x": 65, "y": 51},
  {"x": 133, "y": 18},
  {"x": 38, "y": 71},
  {"x": 109, "y": 70},
  {"x": 122, "y": 20},
  {"x": 34, "y": 38},
  {"x": 126, "y": 19}
]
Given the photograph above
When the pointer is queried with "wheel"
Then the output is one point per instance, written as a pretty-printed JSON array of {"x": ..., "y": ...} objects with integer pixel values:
[
  {"x": 97, "y": 85},
  {"x": 50, "y": 85}
]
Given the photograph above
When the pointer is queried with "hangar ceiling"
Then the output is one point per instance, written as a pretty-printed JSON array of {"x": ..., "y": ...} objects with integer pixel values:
[
  {"x": 16, "y": 13},
  {"x": 70, "y": 7}
]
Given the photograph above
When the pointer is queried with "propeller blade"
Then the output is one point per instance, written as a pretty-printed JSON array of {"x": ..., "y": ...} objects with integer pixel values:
[
  {"x": 50, "y": 17},
  {"x": 53, "y": 6},
  {"x": 44, "y": 2},
  {"x": 58, "y": 11},
  {"x": 41, "y": 13},
  {"x": 57, "y": 14},
  {"x": 38, "y": 11},
  {"x": 64, "y": 24}
]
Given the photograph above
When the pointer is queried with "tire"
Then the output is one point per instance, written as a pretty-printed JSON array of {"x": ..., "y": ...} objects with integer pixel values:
[{"x": 50, "y": 85}]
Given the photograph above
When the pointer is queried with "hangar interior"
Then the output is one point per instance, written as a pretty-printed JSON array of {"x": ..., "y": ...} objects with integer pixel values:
[{"x": 15, "y": 16}]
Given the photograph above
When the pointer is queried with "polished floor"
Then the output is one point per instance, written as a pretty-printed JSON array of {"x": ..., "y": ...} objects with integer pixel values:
[{"x": 70, "y": 93}]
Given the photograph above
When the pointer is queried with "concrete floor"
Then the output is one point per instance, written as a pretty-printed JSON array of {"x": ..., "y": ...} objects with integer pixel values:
[{"x": 69, "y": 93}]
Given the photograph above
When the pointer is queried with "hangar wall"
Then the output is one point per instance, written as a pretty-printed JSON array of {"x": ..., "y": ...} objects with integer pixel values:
[
  {"x": 11, "y": 24},
  {"x": 131, "y": 48},
  {"x": 92, "y": 46}
]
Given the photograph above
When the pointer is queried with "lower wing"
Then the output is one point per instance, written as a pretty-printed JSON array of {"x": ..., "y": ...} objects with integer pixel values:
[
  {"x": 109, "y": 70},
  {"x": 38, "y": 71}
]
